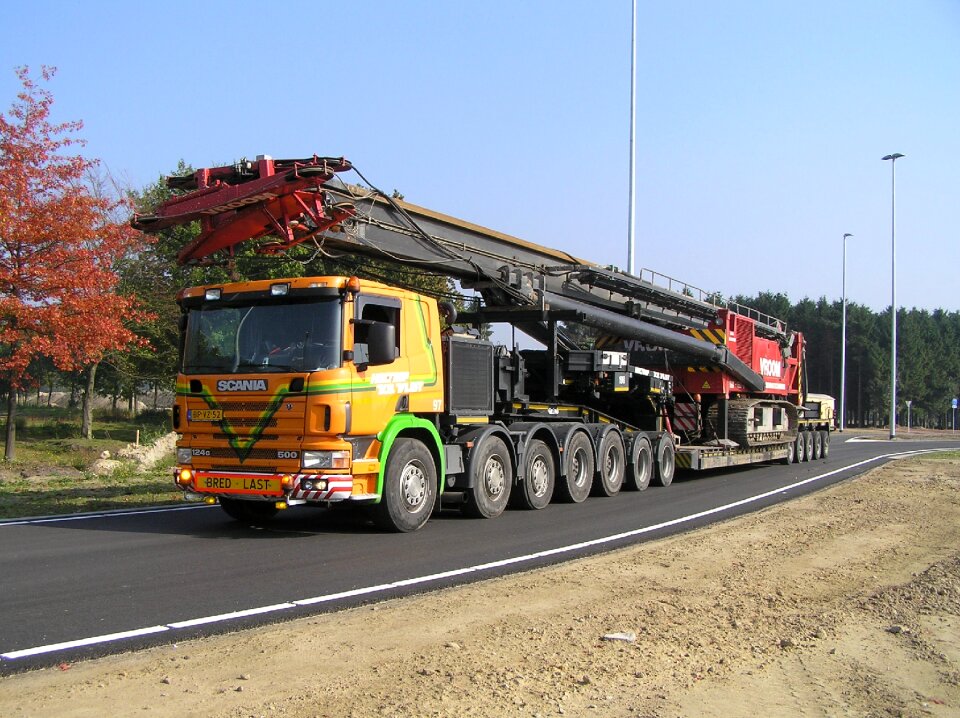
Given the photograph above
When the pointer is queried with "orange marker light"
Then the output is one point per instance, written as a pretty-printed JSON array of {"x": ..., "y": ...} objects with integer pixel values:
[{"x": 185, "y": 477}]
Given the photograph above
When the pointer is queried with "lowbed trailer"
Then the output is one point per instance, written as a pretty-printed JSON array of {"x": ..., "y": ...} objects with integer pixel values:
[{"x": 316, "y": 390}]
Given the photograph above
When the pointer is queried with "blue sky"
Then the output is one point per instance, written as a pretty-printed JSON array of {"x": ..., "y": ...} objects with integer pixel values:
[{"x": 760, "y": 125}]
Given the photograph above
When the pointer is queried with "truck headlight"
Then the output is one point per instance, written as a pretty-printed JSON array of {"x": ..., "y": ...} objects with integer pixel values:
[
  {"x": 326, "y": 459},
  {"x": 184, "y": 455}
]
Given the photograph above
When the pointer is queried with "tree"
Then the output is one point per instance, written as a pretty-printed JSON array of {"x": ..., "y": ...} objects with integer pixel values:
[{"x": 58, "y": 247}]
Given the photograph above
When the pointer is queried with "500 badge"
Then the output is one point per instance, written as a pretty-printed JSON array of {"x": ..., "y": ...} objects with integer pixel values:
[{"x": 288, "y": 454}]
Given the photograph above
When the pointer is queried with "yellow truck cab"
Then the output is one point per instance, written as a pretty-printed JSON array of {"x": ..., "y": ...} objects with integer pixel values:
[{"x": 296, "y": 390}]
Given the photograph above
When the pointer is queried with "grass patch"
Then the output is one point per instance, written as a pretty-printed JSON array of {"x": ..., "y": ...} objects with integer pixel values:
[
  {"x": 46, "y": 495},
  {"x": 50, "y": 474}
]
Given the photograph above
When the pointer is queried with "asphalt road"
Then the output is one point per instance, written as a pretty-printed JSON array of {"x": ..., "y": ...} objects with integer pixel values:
[{"x": 76, "y": 587}]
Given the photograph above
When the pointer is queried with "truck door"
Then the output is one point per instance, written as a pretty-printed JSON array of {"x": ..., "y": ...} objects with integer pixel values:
[{"x": 381, "y": 383}]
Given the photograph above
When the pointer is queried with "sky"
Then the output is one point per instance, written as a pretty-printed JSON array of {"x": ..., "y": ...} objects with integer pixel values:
[{"x": 760, "y": 126}]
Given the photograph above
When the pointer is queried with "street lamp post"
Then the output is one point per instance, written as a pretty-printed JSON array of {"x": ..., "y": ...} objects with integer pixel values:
[
  {"x": 893, "y": 291},
  {"x": 631, "y": 219},
  {"x": 843, "y": 342}
]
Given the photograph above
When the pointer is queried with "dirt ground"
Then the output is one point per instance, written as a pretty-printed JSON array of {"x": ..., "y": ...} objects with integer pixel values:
[{"x": 842, "y": 603}]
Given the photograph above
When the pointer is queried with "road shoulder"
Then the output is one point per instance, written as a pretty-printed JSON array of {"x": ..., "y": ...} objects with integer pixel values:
[{"x": 843, "y": 601}]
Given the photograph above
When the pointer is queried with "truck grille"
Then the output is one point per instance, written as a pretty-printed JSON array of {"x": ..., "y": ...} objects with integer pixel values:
[
  {"x": 238, "y": 467},
  {"x": 225, "y": 452}
]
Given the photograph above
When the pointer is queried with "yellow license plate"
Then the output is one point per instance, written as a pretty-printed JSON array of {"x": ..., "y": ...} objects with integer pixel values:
[
  {"x": 205, "y": 415},
  {"x": 239, "y": 485}
]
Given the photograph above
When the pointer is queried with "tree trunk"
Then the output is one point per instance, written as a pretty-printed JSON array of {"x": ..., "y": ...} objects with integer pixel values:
[
  {"x": 10, "y": 452},
  {"x": 86, "y": 424}
]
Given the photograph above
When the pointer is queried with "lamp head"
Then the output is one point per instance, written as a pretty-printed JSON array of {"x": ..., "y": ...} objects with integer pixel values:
[
  {"x": 847, "y": 235},
  {"x": 895, "y": 156}
]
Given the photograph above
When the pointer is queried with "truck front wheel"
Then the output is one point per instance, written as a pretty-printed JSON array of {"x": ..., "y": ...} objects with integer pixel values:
[{"x": 409, "y": 487}]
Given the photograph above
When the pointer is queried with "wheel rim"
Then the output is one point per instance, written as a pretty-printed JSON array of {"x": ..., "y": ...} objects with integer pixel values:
[
  {"x": 643, "y": 466},
  {"x": 539, "y": 477},
  {"x": 494, "y": 477},
  {"x": 578, "y": 468},
  {"x": 666, "y": 468},
  {"x": 413, "y": 486},
  {"x": 611, "y": 463}
]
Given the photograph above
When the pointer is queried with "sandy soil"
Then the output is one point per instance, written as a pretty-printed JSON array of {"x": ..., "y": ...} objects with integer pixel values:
[{"x": 843, "y": 603}]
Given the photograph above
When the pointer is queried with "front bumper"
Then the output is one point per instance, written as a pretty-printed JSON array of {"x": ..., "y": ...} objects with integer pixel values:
[{"x": 296, "y": 488}]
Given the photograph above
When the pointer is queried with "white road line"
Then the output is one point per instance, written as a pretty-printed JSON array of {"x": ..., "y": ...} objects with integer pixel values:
[
  {"x": 122, "y": 636},
  {"x": 420, "y": 580},
  {"x": 231, "y": 616},
  {"x": 101, "y": 515}
]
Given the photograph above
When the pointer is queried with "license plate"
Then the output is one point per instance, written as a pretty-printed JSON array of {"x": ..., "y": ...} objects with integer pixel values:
[
  {"x": 239, "y": 485},
  {"x": 205, "y": 415}
]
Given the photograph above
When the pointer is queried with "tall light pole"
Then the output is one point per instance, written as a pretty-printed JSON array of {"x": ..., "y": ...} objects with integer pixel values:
[
  {"x": 893, "y": 291},
  {"x": 843, "y": 342},
  {"x": 631, "y": 239}
]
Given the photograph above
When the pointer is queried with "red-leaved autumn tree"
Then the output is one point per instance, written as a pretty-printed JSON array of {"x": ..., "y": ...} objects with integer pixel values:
[{"x": 58, "y": 247}]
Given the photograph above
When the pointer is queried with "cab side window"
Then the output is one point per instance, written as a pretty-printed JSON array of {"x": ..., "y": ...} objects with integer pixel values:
[{"x": 370, "y": 310}]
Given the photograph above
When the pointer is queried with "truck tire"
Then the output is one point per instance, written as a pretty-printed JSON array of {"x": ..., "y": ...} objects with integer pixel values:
[
  {"x": 808, "y": 446},
  {"x": 799, "y": 448},
  {"x": 539, "y": 477},
  {"x": 409, "y": 487},
  {"x": 640, "y": 470},
  {"x": 666, "y": 463},
  {"x": 791, "y": 453},
  {"x": 825, "y": 443},
  {"x": 579, "y": 469},
  {"x": 492, "y": 474},
  {"x": 817, "y": 445},
  {"x": 249, "y": 512},
  {"x": 611, "y": 465}
]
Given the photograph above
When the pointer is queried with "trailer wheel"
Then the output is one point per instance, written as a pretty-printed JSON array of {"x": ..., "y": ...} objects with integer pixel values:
[
  {"x": 791, "y": 453},
  {"x": 409, "y": 487},
  {"x": 248, "y": 511},
  {"x": 825, "y": 444},
  {"x": 666, "y": 463},
  {"x": 817, "y": 445},
  {"x": 540, "y": 476},
  {"x": 799, "y": 448},
  {"x": 492, "y": 478},
  {"x": 612, "y": 465},
  {"x": 641, "y": 467},
  {"x": 578, "y": 476},
  {"x": 808, "y": 446}
]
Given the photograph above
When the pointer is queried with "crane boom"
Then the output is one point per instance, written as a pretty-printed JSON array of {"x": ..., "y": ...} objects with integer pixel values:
[{"x": 292, "y": 201}]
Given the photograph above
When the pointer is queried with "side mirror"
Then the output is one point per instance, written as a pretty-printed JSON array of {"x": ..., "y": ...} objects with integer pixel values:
[{"x": 381, "y": 343}]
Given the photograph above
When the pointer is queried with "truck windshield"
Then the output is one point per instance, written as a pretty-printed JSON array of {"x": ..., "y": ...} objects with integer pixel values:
[{"x": 297, "y": 336}]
